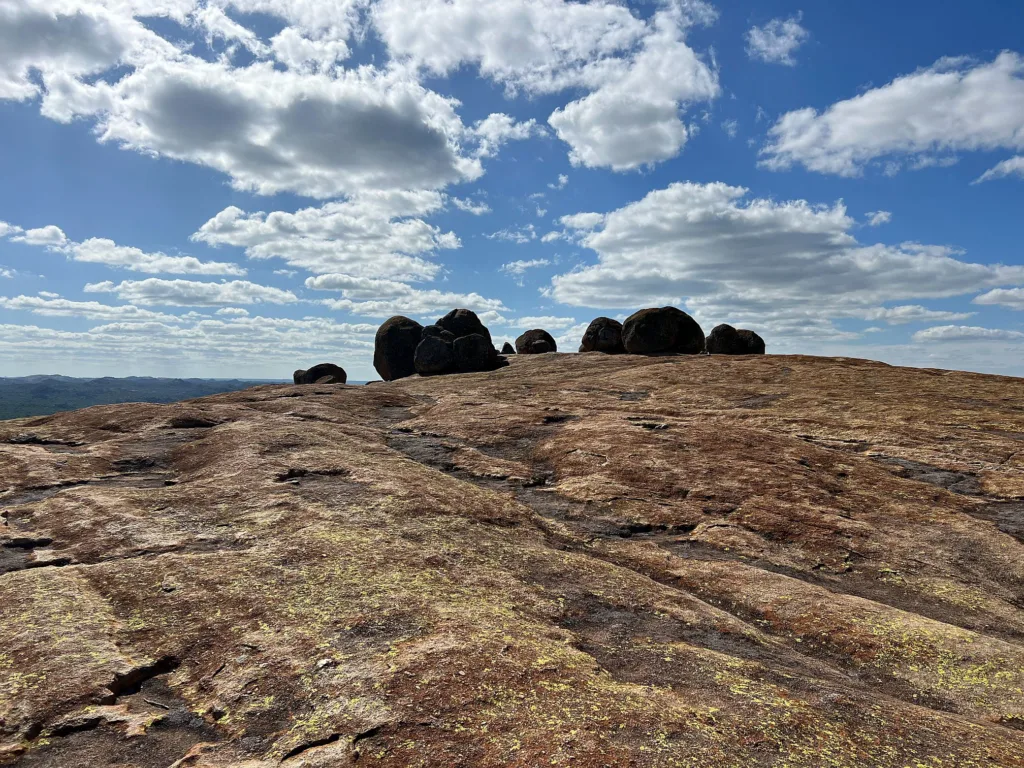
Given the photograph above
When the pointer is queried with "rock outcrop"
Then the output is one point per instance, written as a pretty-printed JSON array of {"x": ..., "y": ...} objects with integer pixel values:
[
  {"x": 458, "y": 343},
  {"x": 325, "y": 373},
  {"x": 463, "y": 322},
  {"x": 667, "y": 330},
  {"x": 474, "y": 353},
  {"x": 604, "y": 335},
  {"x": 536, "y": 342},
  {"x": 582, "y": 560},
  {"x": 508, "y": 349},
  {"x": 435, "y": 356},
  {"x": 394, "y": 350},
  {"x": 726, "y": 340}
]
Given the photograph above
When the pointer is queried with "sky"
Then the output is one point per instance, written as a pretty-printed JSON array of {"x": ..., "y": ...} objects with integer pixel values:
[{"x": 240, "y": 188}]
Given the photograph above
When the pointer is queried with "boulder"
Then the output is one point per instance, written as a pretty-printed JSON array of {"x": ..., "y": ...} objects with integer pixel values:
[
  {"x": 438, "y": 332},
  {"x": 508, "y": 349},
  {"x": 603, "y": 335},
  {"x": 662, "y": 331},
  {"x": 474, "y": 353},
  {"x": 394, "y": 350},
  {"x": 726, "y": 340},
  {"x": 463, "y": 322},
  {"x": 434, "y": 355},
  {"x": 535, "y": 342},
  {"x": 325, "y": 373}
]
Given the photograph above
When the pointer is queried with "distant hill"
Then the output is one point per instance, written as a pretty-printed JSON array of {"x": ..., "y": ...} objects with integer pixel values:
[{"x": 43, "y": 395}]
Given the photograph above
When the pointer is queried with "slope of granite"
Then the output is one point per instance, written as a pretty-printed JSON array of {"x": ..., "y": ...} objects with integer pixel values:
[{"x": 577, "y": 560}]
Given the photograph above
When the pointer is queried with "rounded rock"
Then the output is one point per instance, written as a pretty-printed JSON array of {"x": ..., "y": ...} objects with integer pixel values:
[
  {"x": 474, "y": 353},
  {"x": 535, "y": 342},
  {"x": 604, "y": 335},
  {"x": 508, "y": 349},
  {"x": 394, "y": 349},
  {"x": 434, "y": 356},
  {"x": 438, "y": 332},
  {"x": 726, "y": 340},
  {"x": 463, "y": 322},
  {"x": 325, "y": 373},
  {"x": 667, "y": 330}
]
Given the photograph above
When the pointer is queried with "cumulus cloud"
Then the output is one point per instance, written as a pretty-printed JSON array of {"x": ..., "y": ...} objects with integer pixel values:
[
  {"x": 776, "y": 41},
  {"x": 520, "y": 236},
  {"x": 471, "y": 206},
  {"x": 912, "y": 313},
  {"x": 374, "y": 234},
  {"x": 955, "y": 105},
  {"x": 790, "y": 266},
  {"x": 547, "y": 322},
  {"x": 496, "y": 129},
  {"x": 1012, "y": 298},
  {"x": 1012, "y": 167},
  {"x": 878, "y": 218},
  {"x": 966, "y": 333},
  {"x": 50, "y": 305},
  {"x": 190, "y": 293},
  {"x": 563, "y": 180},
  {"x": 6, "y": 273},
  {"x": 519, "y": 267},
  {"x": 104, "y": 251}
]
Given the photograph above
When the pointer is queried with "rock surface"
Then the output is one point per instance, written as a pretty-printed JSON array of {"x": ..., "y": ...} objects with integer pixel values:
[
  {"x": 726, "y": 340},
  {"x": 507, "y": 349},
  {"x": 394, "y": 349},
  {"x": 434, "y": 355},
  {"x": 577, "y": 560},
  {"x": 603, "y": 335},
  {"x": 535, "y": 342},
  {"x": 464, "y": 322},
  {"x": 474, "y": 353},
  {"x": 325, "y": 373},
  {"x": 667, "y": 330}
]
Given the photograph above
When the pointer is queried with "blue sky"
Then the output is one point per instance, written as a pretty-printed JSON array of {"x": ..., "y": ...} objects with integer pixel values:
[{"x": 243, "y": 187}]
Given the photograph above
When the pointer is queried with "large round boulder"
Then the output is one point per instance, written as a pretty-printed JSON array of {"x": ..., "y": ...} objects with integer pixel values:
[
  {"x": 463, "y": 322},
  {"x": 394, "y": 349},
  {"x": 434, "y": 356},
  {"x": 474, "y": 353},
  {"x": 325, "y": 373},
  {"x": 437, "y": 332},
  {"x": 726, "y": 340},
  {"x": 508, "y": 349},
  {"x": 603, "y": 335},
  {"x": 662, "y": 331},
  {"x": 535, "y": 342}
]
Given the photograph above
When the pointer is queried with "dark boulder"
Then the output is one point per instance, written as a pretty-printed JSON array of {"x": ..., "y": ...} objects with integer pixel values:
[
  {"x": 474, "y": 353},
  {"x": 438, "y": 332},
  {"x": 434, "y": 356},
  {"x": 535, "y": 342},
  {"x": 508, "y": 349},
  {"x": 325, "y": 373},
  {"x": 463, "y": 322},
  {"x": 394, "y": 351},
  {"x": 726, "y": 340},
  {"x": 604, "y": 335},
  {"x": 662, "y": 331}
]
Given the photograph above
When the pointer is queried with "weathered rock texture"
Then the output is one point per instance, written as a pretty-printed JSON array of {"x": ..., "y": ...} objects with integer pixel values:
[
  {"x": 603, "y": 335},
  {"x": 536, "y": 342},
  {"x": 576, "y": 560},
  {"x": 394, "y": 351},
  {"x": 665, "y": 330},
  {"x": 726, "y": 340},
  {"x": 325, "y": 373}
]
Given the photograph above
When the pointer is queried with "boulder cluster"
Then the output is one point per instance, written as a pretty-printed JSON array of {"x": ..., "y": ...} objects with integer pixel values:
[
  {"x": 460, "y": 343},
  {"x": 457, "y": 343},
  {"x": 667, "y": 331}
]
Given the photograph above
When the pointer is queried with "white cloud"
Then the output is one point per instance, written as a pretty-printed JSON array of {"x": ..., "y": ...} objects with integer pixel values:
[
  {"x": 956, "y": 105},
  {"x": 547, "y": 322},
  {"x": 731, "y": 128},
  {"x": 232, "y": 312},
  {"x": 912, "y": 314},
  {"x": 471, "y": 206},
  {"x": 496, "y": 129},
  {"x": 375, "y": 234},
  {"x": 583, "y": 221},
  {"x": 1012, "y": 167},
  {"x": 563, "y": 180},
  {"x": 8, "y": 229},
  {"x": 776, "y": 41},
  {"x": 51, "y": 306},
  {"x": 1013, "y": 298},
  {"x": 519, "y": 267},
  {"x": 878, "y": 218},
  {"x": 107, "y": 252},
  {"x": 633, "y": 118},
  {"x": 49, "y": 295},
  {"x": 966, "y": 333},
  {"x": 189, "y": 293},
  {"x": 218, "y": 25},
  {"x": 551, "y": 237},
  {"x": 6, "y": 273},
  {"x": 788, "y": 267},
  {"x": 47, "y": 236},
  {"x": 520, "y": 236}
]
